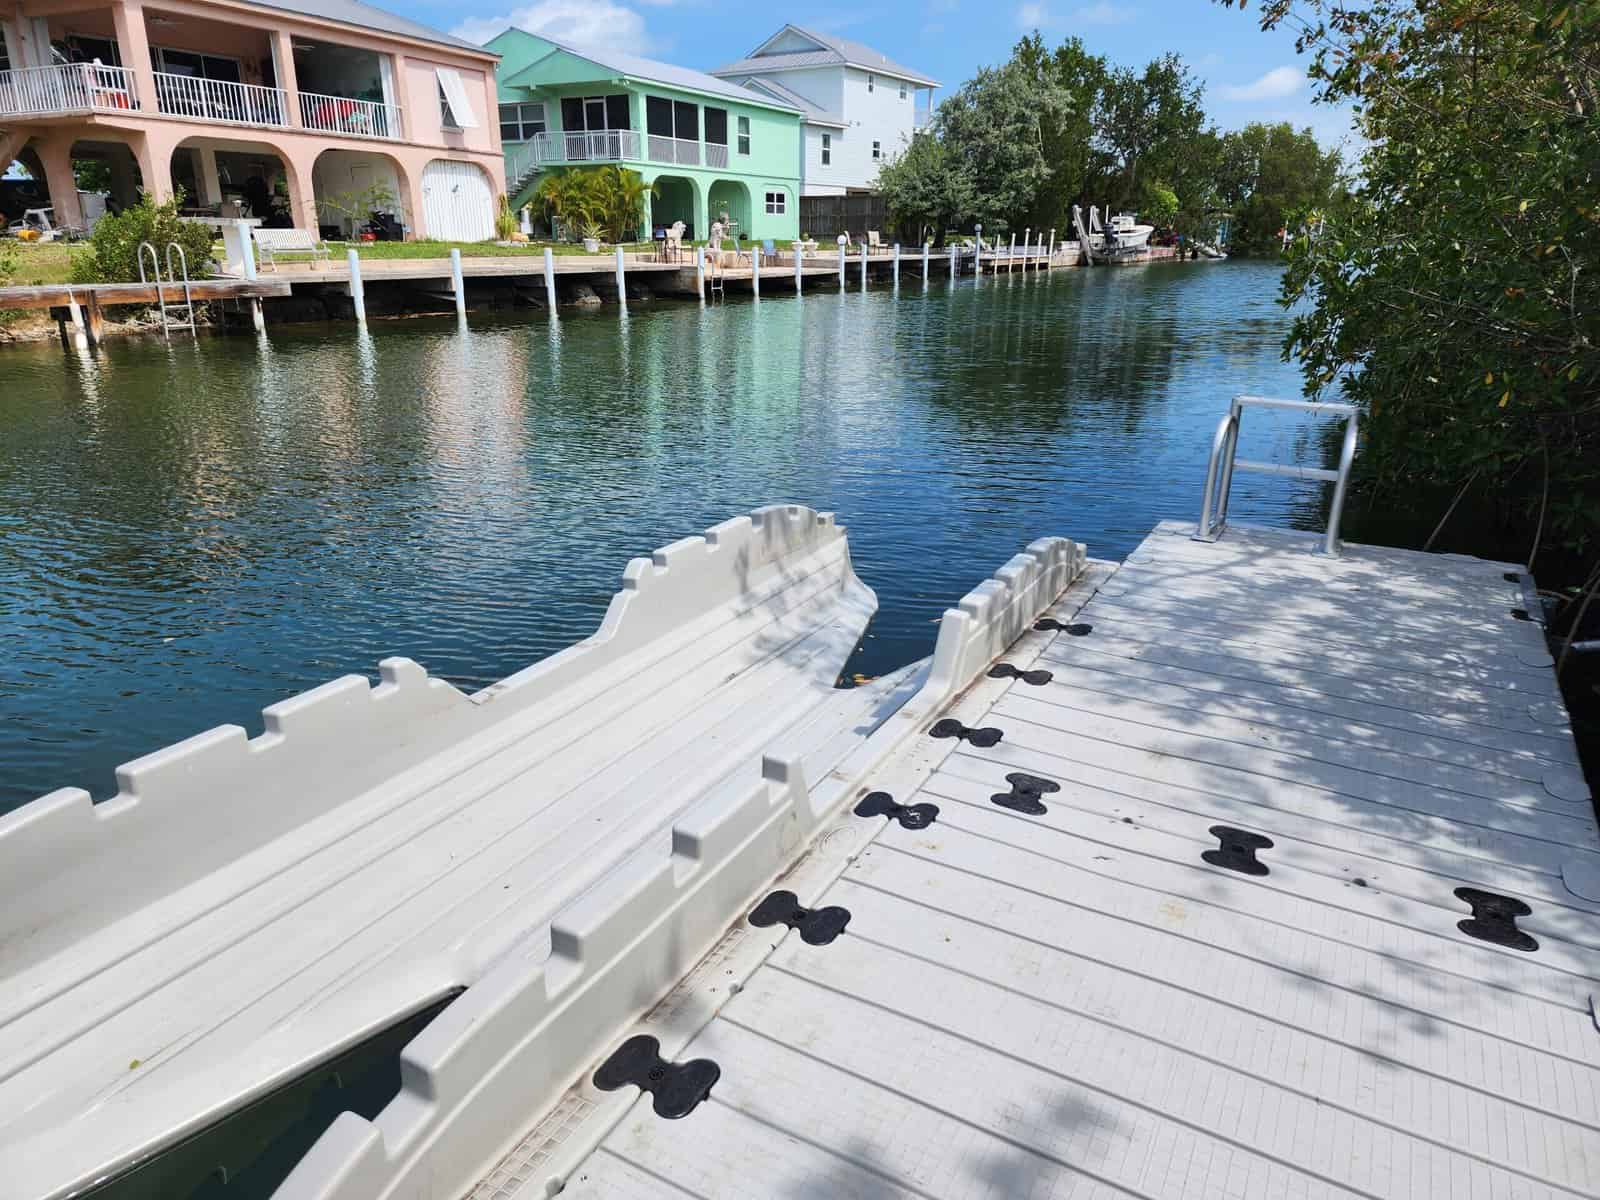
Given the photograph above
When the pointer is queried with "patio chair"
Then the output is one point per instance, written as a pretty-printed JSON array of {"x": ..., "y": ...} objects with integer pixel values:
[
  {"x": 769, "y": 250},
  {"x": 874, "y": 245},
  {"x": 672, "y": 248}
]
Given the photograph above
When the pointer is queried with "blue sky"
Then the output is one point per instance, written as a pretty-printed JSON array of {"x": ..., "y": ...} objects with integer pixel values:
[{"x": 1249, "y": 75}]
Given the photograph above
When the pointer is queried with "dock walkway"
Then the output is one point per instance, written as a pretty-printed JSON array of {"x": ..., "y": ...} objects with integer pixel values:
[{"x": 1198, "y": 922}]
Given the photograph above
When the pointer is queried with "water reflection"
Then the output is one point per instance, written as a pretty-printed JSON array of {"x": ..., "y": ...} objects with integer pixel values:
[{"x": 188, "y": 532}]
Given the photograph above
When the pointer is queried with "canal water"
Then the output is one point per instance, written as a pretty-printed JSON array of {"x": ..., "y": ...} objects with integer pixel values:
[{"x": 190, "y": 532}]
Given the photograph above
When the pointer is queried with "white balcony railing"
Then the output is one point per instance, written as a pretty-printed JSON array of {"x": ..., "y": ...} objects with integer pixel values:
[
  {"x": 66, "y": 88},
  {"x": 675, "y": 150},
  {"x": 219, "y": 100},
  {"x": 716, "y": 156},
  {"x": 340, "y": 114},
  {"x": 601, "y": 145}
]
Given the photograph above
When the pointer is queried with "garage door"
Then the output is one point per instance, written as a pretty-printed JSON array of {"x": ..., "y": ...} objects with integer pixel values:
[{"x": 457, "y": 204}]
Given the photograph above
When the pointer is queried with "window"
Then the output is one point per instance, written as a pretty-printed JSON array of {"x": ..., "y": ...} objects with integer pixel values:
[
  {"x": 877, "y": 151},
  {"x": 902, "y": 89},
  {"x": 776, "y": 202},
  {"x": 521, "y": 122},
  {"x": 870, "y": 81},
  {"x": 446, "y": 117},
  {"x": 194, "y": 66},
  {"x": 827, "y": 148},
  {"x": 717, "y": 126},
  {"x": 594, "y": 113},
  {"x": 744, "y": 135}
]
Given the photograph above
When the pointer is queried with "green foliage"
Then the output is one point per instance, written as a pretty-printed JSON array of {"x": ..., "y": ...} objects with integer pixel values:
[
  {"x": 609, "y": 200},
  {"x": 994, "y": 126},
  {"x": 1455, "y": 296},
  {"x": 115, "y": 256},
  {"x": 10, "y": 261},
  {"x": 505, "y": 221},
  {"x": 1266, "y": 173},
  {"x": 355, "y": 207},
  {"x": 1160, "y": 205},
  {"x": 927, "y": 188},
  {"x": 92, "y": 174},
  {"x": 1147, "y": 126}
]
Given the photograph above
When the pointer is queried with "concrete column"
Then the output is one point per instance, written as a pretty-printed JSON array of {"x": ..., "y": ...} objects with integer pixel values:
[
  {"x": 283, "y": 69},
  {"x": 206, "y": 177},
  {"x": 298, "y": 167},
  {"x": 127, "y": 18},
  {"x": 56, "y": 156}
]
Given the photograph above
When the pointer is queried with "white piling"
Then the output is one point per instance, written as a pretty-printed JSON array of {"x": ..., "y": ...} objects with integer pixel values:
[
  {"x": 897, "y": 264},
  {"x": 550, "y": 278},
  {"x": 798, "y": 269},
  {"x": 700, "y": 271},
  {"x": 924, "y": 263},
  {"x": 755, "y": 271},
  {"x": 358, "y": 295},
  {"x": 460, "y": 284},
  {"x": 257, "y": 318},
  {"x": 1011, "y": 253},
  {"x": 622, "y": 282},
  {"x": 863, "y": 264},
  {"x": 1050, "y": 250},
  {"x": 80, "y": 332},
  {"x": 1027, "y": 244},
  {"x": 841, "y": 266},
  {"x": 954, "y": 270}
]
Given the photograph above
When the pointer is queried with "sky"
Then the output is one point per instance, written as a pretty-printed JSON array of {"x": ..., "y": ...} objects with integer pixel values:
[{"x": 1249, "y": 75}]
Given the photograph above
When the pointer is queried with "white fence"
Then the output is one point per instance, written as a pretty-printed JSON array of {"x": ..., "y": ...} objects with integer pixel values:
[
  {"x": 219, "y": 100},
  {"x": 66, "y": 87},
  {"x": 341, "y": 114}
]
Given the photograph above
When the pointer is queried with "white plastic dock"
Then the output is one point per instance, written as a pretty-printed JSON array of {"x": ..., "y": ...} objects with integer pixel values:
[
  {"x": 1092, "y": 992},
  {"x": 245, "y": 908}
]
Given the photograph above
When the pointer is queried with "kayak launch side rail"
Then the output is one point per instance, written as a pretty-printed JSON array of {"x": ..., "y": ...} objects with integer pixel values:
[{"x": 480, "y": 1073}]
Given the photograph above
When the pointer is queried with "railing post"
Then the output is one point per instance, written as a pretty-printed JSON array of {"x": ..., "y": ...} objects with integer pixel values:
[
  {"x": 358, "y": 296},
  {"x": 622, "y": 283},
  {"x": 755, "y": 270},
  {"x": 550, "y": 278},
  {"x": 1347, "y": 453},
  {"x": 460, "y": 284}
]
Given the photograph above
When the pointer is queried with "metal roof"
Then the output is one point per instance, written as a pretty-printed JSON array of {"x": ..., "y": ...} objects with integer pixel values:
[
  {"x": 366, "y": 16},
  {"x": 815, "y": 114},
  {"x": 654, "y": 71},
  {"x": 832, "y": 51}
]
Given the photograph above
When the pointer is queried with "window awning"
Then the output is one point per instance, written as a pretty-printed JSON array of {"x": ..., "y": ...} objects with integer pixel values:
[{"x": 456, "y": 93}]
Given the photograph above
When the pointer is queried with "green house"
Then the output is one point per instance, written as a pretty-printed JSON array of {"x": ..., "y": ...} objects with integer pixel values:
[{"x": 709, "y": 146}]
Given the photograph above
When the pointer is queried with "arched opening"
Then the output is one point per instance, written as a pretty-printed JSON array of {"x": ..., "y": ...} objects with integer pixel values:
[
  {"x": 731, "y": 198},
  {"x": 223, "y": 177},
  {"x": 457, "y": 201},
  {"x": 675, "y": 202},
  {"x": 108, "y": 177},
  {"x": 361, "y": 192}
]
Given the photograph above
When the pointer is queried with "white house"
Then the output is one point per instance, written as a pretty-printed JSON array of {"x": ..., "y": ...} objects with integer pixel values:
[{"x": 860, "y": 107}]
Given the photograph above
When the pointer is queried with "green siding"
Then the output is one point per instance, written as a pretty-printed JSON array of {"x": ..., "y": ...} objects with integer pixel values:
[{"x": 532, "y": 68}]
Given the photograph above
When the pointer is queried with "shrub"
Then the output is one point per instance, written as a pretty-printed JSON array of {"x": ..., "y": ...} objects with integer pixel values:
[{"x": 116, "y": 242}]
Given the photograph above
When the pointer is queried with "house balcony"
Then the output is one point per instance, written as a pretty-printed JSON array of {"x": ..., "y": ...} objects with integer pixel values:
[
  {"x": 683, "y": 151},
  {"x": 563, "y": 149},
  {"x": 66, "y": 89},
  {"x": 221, "y": 101},
  {"x": 353, "y": 118}
]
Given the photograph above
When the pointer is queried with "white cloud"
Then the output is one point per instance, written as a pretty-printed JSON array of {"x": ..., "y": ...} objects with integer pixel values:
[
  {"x": 1274, "y": 85},
  {"x": 1103, "y": 14},
  {"x": 1035, "y": 15},
  {"x": 597, "y": 23}
]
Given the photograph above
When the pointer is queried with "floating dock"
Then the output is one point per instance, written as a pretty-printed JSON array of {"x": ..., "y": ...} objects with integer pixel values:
[{"x": 1236, "y": 869}]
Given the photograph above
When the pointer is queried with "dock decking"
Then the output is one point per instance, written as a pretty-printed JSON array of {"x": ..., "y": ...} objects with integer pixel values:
[{"x": 1190, "y": 927}]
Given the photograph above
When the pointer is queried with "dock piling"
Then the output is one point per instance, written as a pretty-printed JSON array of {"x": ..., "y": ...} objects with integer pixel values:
[
  {"x": 458, "y": 283},
  {"x": 258, "y": 320},
  {"x": 700, "y": 272},
  {"x": 550, "y": 278},
  {"x": 863, "y": 266},
  {"x": 924, "y": 263},
  {"x": 622, "y": 282},
  {"x": 755, "y": 271},
  {"x": 897, "y": 264},
  {"x": 1050, "y": 251},
  {"x": 798, "y": 268},
  {"x": 841, "y": 267},
  {"x": 358, "y": 295}
]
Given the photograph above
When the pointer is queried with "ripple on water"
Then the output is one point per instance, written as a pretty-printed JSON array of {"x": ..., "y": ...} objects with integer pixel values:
[{"x": 189, "y": 533}]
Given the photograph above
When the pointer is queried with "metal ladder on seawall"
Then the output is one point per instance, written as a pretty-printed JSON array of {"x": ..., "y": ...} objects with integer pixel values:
[
  {"x": 177, "y": 316},
  {"x": 715, "y": 280}
]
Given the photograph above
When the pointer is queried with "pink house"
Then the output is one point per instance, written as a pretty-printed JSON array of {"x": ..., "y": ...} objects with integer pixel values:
[{"x": 304, "y": 112}]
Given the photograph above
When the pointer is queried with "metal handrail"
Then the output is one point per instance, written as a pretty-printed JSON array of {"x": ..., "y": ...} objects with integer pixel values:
[{"x": 1224, "y": 461}]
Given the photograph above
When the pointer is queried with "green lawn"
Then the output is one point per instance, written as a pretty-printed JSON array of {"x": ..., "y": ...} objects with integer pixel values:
[{"x": 43, "y": 262}]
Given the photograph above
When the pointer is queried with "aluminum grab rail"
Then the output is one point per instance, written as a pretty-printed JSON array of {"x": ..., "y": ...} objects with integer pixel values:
[{"x": 1224, "y": 461}]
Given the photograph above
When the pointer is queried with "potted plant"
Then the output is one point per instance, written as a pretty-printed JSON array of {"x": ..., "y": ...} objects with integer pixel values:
[{"x": 592, "y": 233}]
